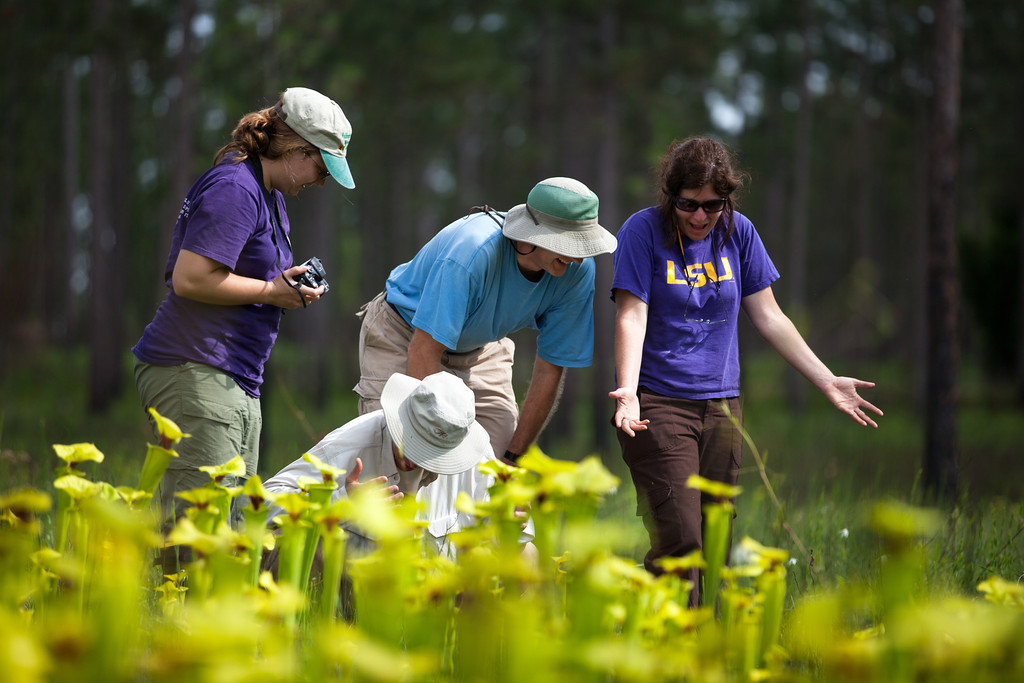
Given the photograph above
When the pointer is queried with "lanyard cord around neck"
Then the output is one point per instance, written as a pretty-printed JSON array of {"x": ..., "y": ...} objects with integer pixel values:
[
  {"x": 275, "y": 217},
  {"x": 714, "y": 256}
]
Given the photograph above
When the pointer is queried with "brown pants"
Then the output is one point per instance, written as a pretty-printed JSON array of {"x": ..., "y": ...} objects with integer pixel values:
[
  {"x": 684, "y": 437},
  {"x": 384, "y": 350}
]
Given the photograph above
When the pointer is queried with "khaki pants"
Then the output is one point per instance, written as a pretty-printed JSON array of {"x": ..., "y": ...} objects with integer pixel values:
[{"x": 384, "y": 349}]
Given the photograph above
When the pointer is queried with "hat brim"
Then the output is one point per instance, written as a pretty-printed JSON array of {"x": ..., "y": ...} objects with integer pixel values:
[
  {"x": 470, "y": 451},
  {"x": 582, "y": 239},
  {"x": 338, "y": 166}
]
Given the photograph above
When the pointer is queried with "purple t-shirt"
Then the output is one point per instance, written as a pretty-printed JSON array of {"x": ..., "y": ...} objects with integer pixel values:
[
  {"x": 691, "y": 348},
  {"x": 226, "y": 217}
]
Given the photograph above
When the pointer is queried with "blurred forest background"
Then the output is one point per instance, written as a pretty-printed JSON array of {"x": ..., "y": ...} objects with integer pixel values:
[{"x": 872, "y": 191}]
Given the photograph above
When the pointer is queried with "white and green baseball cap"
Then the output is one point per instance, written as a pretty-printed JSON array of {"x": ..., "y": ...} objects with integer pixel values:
[{"x": 320, "y": 122}]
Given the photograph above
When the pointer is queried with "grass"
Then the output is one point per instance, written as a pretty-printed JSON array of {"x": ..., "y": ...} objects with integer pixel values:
[{"x": 824, "y": 468}]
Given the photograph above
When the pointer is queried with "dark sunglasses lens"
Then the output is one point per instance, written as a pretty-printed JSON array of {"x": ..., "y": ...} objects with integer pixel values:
[{"x": 691, "y": 205}]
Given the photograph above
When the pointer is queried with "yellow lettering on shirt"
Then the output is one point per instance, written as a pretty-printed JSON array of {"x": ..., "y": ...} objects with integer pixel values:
[
  {"x": 727, "y": 274},
  {"x": 670, "y": 266},
  {"x": 696, "y": 273}
]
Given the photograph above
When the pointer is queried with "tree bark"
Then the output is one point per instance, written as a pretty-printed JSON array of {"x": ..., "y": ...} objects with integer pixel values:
[
  {"x": 104, "y": 310},
  {"x": 179, "y": 157},
  {"x": 1020, "y": 298},
  {"x": 70, "y": 135},
  {"x": 609, "y": 181},
  {"x": 940, "y": 462},
  {"x": 796, "y": 385}
]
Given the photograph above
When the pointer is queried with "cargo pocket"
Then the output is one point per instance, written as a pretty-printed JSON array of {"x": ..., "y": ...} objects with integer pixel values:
[
  {"x": 648, "y": 501},
  {"x": 216, "y": 434},
  {"x": 369, "y": 391}
]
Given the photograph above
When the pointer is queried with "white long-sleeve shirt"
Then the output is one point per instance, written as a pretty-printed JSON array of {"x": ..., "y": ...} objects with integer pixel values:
[{"x": 368, "y": 439}]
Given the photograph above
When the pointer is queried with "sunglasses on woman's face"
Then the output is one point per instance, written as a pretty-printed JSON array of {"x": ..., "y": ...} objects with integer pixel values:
[
  {"x": 691, "y": 205},
  {"x": 320, "y": 168}
]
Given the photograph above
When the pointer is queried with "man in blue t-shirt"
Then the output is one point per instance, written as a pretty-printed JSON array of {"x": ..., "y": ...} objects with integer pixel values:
[{"x": 478, "y": 280}]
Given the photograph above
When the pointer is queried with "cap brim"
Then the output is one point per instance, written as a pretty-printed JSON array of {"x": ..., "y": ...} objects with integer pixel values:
[{"x": 338, "y": 166}]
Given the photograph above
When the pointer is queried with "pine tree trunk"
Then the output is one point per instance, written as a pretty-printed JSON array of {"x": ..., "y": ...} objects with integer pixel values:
[{"x": 940, "y": 462}]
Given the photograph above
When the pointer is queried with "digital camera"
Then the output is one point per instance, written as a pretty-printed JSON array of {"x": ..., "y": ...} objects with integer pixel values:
[{"x": 314, "y": 276}]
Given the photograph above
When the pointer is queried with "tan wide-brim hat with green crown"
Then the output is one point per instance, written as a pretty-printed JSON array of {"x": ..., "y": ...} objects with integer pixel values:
[{"x": 560, "y": 215}]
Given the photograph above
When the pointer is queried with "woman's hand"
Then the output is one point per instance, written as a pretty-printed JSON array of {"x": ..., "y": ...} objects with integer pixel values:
[
  {"x": 298, "y": 297},
  {"x": 352, "y": 483},
  {"x": 842, "y": 391},
  {"x": 627, "y": 411}
]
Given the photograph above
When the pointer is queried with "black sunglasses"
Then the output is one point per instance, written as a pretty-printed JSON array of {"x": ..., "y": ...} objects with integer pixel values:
[
  {"x": 691, "y": 205},
  {"x": 321, "y": 169}
]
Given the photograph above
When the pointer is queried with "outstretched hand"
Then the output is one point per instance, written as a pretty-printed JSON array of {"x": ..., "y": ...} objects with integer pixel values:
[
  {"x": 627, "y": 411},
  {"x": 352, "y": 483},
  {"x": 843, "y": 394}
]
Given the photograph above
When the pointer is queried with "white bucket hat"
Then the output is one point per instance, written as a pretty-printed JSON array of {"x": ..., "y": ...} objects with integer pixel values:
[
  {"x": 433, "y": 422},
  {"x": 320, "y": 122},
  {"x": 560, "y": 215}
]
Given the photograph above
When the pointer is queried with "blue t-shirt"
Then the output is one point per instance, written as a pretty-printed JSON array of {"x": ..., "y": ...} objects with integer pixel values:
[
  {"x": 226, "y": 217},
  {"x": 691, "y": 348},
  {"x": 464, "y": 289}
]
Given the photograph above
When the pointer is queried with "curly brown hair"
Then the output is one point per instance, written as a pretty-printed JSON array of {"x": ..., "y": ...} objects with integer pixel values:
[
  {"x": 263, "y": 133},
  {"x": 691, "y": 164}
]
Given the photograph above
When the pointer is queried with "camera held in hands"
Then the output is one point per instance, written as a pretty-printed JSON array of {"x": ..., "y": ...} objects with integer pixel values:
[{"x": 314, "y": 276}]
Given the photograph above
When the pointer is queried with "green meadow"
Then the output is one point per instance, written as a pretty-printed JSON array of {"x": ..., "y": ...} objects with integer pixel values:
[{"x": 842, "y": 566}]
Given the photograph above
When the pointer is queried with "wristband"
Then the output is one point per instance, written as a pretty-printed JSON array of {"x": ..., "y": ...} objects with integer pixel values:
[{"x": 512, "y": 457}]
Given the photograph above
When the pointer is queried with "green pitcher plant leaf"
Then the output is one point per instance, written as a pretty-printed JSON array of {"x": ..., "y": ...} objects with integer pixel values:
[
  {"x": 501, "y": 471},
  {"x": 77, "y": 488},
  {"x": 169, "y": 432},
  {"x": 1002, "y": 592},
  {"x": 235, "y": 466},
  {"x": 185, "y": 532},
  {"x": 25, "y": 504},
  {"x": 154, "y": 467},
  {"x": 294, "y": 505},
  {"x": 202, "y": 496},
  {"x": 752, "y": 552},
  {"x": 535, "y": 460},
  {"x": 899, "y": 524},
  {"x": 75, "y": 454},
  {"x": 680, "y": 565},
  {"x": 259, "y": 497},
  {"x": 720, "y": 490},
  {"x": 134, "y": 498},
  {"x": 328, "y": 472}
]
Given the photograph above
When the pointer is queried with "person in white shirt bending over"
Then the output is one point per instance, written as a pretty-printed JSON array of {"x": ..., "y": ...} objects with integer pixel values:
[{"x": 424, "y": 428}]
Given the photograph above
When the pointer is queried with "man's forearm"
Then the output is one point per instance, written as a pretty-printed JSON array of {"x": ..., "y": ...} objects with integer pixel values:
[
  {"x": 538, "y": 406},
  {"x": 424, "y": 355}
]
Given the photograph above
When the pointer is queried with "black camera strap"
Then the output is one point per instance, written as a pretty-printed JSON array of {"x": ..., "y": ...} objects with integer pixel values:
[{"x": 275, "y": 223}]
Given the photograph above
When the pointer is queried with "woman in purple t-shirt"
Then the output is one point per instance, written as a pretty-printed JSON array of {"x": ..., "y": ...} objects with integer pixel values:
[
  {"x": 683, "y": 270},
  {"x": 229, "y": 275}
]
